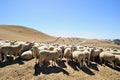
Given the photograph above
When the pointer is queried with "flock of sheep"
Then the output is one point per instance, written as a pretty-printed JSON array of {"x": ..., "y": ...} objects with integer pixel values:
[{"x": 44, "y": 52}]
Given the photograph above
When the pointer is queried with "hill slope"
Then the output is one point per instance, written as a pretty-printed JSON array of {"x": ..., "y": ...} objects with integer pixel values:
[
  {"x": 13, "y": 32},
  {"x": 21, "y": 33}
]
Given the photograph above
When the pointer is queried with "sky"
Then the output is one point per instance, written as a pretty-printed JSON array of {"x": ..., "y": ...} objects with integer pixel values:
[{"x": 65, "y": 18}]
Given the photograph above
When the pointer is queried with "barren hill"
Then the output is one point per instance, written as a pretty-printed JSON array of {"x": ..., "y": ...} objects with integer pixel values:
[
  {"x": 21, "y": 33},
  {"x": 14, "y": 32}
]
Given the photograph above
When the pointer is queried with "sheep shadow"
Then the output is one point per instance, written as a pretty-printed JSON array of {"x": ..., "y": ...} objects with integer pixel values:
[
  {"x": 76, "y": 67},
  {"x": 48, "y": 70},
  {"x": 10, "y": 61},
  {"x": 93, "y": 66},
  {"x": 73, "y": 65},
  {"x": 87, "y": 70},
  {"x": 61, "y": 64},
  {"x": 110, "y": 66}
]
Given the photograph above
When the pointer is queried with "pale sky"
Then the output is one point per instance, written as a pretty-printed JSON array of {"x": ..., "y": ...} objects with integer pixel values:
[{"x": 66, "y": 18}]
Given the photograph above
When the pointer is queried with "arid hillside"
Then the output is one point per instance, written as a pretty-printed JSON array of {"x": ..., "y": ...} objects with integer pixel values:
[
  {"x": 22, "y": 33},
  {"x": 12, "y": 32}
]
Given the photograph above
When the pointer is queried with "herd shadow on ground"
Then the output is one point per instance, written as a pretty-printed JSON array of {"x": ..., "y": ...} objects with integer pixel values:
[
  {"x": 10, "y": 61},
  {"x": 117, "y": 68},
  {"x": 85, "y": 69},
  {"x": 45, "y": 69},
  {"x": 61, "y": 63}
]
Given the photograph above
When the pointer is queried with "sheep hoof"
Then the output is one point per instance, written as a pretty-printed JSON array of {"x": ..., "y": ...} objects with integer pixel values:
[{"x": 4, "y": 61}]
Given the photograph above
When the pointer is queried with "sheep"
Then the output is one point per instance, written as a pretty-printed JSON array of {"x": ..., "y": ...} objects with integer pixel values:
[
  {"x": 117, "y": 57},
  {"x": 95, "y": 53},
  {"x": 87, "y": 53},
  {"x": 61, "y": 48},
  {"x": 49, "y": 55},
  {"x": 51, "y": 48},
  {"x": 26, "y": 46},
  {"x": 79, "y": 56},
  {"x": 117, "y": 60},
  {"x": 36, "y": 53},
  {"x": 0, "y": 57},
  {"x": 44, "y": 47},
  {"x": 27, "y": 55},
  {"x": 12, "y": 50},
  {"x": 68, "y": 54},
  {"x": 107, "y": 56},
  {"x": 80, "y": 47},
  {"x": 45, "y": 55},
  {"x": 60, "y": 53}
]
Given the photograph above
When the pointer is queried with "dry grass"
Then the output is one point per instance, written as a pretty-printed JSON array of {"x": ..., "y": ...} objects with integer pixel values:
[{"x": 9, "y": 32}]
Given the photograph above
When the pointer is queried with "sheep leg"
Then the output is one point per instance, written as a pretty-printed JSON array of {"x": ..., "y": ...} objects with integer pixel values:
[
  {"x": 80, "y": 64},
  {"x": 93, "y": 59},
  {"x": 113, "y": 65},
  {"x": 104, "y": 63},
  {"x": 101, "y": 61},
  {"x": 67, "y": 60},
  {"x": 89, "y": 60},
  {"x": 0, "y": 57},
  {"x": 61, "y": 58},
  {"x": 13, "y": 57},
  {"x": 83, "y": 62},
  {"x": 54, "y": 62},
  {"x": 5, "y": 58},
  {"x": 36, "y": 61},
  {"x": 40, "y": 63},
  {"x": 16, "y": 56}
]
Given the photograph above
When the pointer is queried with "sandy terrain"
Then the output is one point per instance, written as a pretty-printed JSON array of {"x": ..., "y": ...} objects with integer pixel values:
[{"x": 28, "y": 70}]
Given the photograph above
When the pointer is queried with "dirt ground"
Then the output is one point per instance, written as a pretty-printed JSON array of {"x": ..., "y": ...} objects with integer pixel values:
[{"x": 28, "y": 70}]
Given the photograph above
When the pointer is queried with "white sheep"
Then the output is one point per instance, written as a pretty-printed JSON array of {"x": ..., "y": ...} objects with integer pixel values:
[
  {"x": 43, "y": 47},
  {"x": 87, "y": 53},
  {"x": 27, "y": 55},
  {"x": 95, "y": 53},
  {"x": 61, "y": 48},
  {"x": 0, "y": 57},
  {"x": 79, "y": 56},
  {"x": 12, "y": 50},
  {"x": 36, "y": 53},
  {"x": 107, "y": 56},
  {"x": 51, "y": 48},
  {"x": 117, "y": 57},
  {"x": 117, "y": 60},
  {"x": 68, "y": 54},
  {"x": 45, "y": 55}
]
